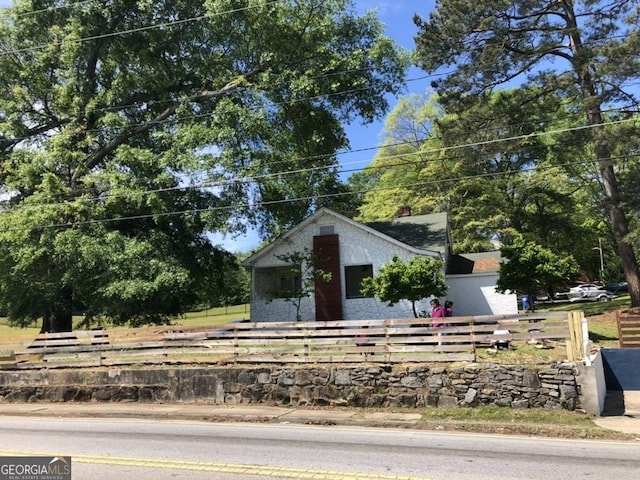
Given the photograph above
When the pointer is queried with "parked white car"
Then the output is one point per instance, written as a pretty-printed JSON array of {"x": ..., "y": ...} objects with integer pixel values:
[{"x": 588, "y": 292}]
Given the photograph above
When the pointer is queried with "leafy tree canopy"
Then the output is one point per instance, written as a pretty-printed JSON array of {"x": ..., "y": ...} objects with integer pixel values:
[
  {"x": 128, "y": 130},
  {"x": 395, "y": 177},
  {"x": 492, "y": 172},
  {"x": 530, "y": 268}
]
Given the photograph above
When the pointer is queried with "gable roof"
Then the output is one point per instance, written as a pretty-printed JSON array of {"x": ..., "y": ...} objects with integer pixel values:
[{"x": 392, "y": 231}]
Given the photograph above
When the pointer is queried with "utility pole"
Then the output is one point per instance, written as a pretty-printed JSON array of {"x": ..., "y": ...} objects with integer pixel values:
[{"x": 599, "y": 248}]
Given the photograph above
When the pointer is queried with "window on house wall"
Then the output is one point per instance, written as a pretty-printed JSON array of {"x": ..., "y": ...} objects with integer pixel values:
[
  {"x": 353, "y": 276},
  {"x": 288, "y": 282},
  {"x": 277, "y": 282}
]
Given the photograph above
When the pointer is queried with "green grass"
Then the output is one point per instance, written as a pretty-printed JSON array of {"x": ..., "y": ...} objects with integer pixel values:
[
  {"x": 502, "y": 414},
  {"x": 530, "y": 421},
  {"x": 9, "y": 333},
  {"x": 603, "y": 330},
  {"x": 589, "y": 308},
  {"x": 522, "y": 354},
  {"x": 215, "y": 316}
]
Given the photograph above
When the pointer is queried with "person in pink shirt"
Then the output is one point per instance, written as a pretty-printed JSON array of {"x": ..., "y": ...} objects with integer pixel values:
[
  {"x": 448, "y": 308},
  {"x": 437, "y": 311}
]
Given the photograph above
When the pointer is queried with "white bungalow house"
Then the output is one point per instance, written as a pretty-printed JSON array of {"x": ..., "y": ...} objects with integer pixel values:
[{"x": 351, "y": 251}]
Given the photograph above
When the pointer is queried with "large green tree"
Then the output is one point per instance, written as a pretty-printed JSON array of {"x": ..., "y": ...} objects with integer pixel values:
[
  {"x": 530, "y": 268},
  {"x": 130, "y": 129},
  {"x": 587, "y": 52},
  {"x": 502, "y": 175},
  {"x": 397, "y": 176}
]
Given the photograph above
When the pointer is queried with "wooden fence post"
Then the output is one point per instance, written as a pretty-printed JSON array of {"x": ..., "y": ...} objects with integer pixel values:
[
  {"x": 236, "y": 344},
  {"x": 386, "y": 326},
  {"x": 575, "y": 350},
  {"x": 473, "y": 339},
  {"x": 306, "y": 347}
]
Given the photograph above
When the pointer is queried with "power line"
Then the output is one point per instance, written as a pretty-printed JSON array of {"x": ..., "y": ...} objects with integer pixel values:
[
  {"x": 253, "y": 205},
  {"x": 201, "y": 116},
  {"x": 307, "y": 98},
  {"x": 177, "y": 22},
  {"x": 438, "y": 150},
  {"x": 340, "y": 194},
  {"x": 173, "y": 120},
  {"x": 184, "y": 118}
]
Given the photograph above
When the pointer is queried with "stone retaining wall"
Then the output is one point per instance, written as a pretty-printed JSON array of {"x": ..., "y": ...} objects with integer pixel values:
[{"x": 554, "y": 386}]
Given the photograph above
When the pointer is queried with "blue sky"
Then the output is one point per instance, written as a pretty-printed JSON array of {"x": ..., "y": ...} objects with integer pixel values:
[{"x": 397, "y": 15}]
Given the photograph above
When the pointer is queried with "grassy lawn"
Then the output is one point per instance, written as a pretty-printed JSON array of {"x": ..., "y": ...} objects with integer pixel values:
[
  {"x": 215, "y": 316},
  {"x": 589, "y": 308},
  {"x": 531, "y": 421}
]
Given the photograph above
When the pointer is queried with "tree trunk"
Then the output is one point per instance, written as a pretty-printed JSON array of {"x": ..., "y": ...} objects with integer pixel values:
[
  {"x": 621, "y": 230},
  {"x": 56, "y": 322},
  {"x": 59, "y": 316},
  {"x": 619, "y": 221}
]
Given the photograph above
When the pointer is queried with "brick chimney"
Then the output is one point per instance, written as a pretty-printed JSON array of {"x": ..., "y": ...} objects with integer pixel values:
[{"x": 404, "y": 211}]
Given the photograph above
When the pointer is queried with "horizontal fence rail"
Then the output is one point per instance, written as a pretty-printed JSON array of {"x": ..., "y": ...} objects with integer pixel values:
[{"x": 348, "y": 341}]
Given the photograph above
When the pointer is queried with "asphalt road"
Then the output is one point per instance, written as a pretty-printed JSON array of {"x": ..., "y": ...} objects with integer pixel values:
[{"x": 110, "y": 449}]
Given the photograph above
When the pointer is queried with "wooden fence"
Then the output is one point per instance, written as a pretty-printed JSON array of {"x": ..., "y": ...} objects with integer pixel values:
[
  {"x": 628, "y": 322},
  {"x": 355, "y": 341}
]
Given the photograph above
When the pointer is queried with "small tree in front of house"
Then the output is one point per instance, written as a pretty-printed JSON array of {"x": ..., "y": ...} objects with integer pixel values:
[
  {"x": 530, "y": 268},
  {"x": 418, "y": 278},
  {"x": 298, "y": 280}
]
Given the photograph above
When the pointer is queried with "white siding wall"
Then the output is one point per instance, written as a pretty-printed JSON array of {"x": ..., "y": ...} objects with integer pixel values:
[
  {"x": 476, "y": 294},
  {"x": 359, "y": 247}
]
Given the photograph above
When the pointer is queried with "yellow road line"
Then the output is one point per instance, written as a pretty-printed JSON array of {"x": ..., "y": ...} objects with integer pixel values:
[{"x": 244, "y": 469}]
